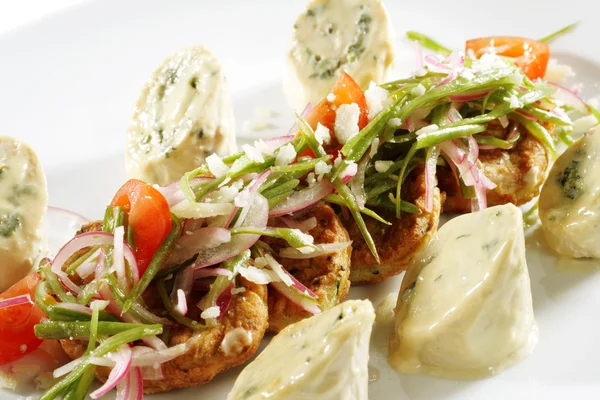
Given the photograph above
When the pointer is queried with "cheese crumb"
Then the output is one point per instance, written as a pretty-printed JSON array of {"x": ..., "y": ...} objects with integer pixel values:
[
  {"x": 394, "y": 122},
  {"x": 346, "y": 122},
  {"x": 377, "y": 99},
  {"x": 420, "y": 72},
  {"x": 338, "y": 160},
  {"x": 383, "y": 166},
  {"x": 211, "y": 312},
  {"x": 216, "y": 166},
  {"x": 331, "y": 97},
  {"x": 263, "y": 147},
  {"x": 558, "y": 73},
  {"x": 238, "y": 290},
  {"x": 253, "y": 153},
  {"x": 310, "y": 179},
  {"x": 286, "y": 155},
  {"x": 322, "y": 134},
  {"x": 374, "y": 147},
  {"x": 322, "y": 168},
  {"x": 418, "y": 90},
  {"x": 514, "y": 101}
]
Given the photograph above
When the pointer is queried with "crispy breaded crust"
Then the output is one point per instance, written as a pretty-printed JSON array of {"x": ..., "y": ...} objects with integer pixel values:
[
  {"x": 518, "y": 173},
  {"x": 398, "y": 243},
  {"x": 327, "y": 276},
  {"x": 205, "y": 359}
]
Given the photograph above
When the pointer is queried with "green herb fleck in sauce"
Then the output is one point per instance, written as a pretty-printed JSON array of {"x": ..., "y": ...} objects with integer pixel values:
[
  {"x": 571, "y": 181},
  {"x": 9, "y": 223}
]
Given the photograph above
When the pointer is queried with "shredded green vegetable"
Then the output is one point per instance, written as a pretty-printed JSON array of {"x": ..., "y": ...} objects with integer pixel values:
[
  {"x": 428, "y": 43},
  {"x": 559, "y": 33}
]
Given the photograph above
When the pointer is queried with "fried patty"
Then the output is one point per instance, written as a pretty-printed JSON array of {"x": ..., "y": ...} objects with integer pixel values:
[
  {"x": 397, "y": 243},
  {"x": 205, "y": 358},
  {"x": 327, "y": 276},
  {"x": 518, "y": 173}
]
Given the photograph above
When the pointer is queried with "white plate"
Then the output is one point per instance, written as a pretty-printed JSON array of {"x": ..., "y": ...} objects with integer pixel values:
[{"x": 68, "y": 85}]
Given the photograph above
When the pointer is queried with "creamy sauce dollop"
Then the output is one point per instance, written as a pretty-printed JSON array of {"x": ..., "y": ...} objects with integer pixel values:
[
  {"x": 465, "y": 308},
  {"x": 322, "y": 357},
  {"x": 569, "y": 205}
]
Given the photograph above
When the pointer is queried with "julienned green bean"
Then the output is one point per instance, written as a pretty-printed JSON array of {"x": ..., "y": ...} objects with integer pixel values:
[
  {"x": 428, "y": 43},
  {"x": 55, "y": 286},
  {"x": 273, "y": 201},
  {"x": 539, "y": 132},
  {"x": 76, "y": 329},
  {"x": 546, "y": 116},
  {"x": 409, "y": 156},
  {"x": 80, "y": 388},
  {"x": 75, "y": 264},
  {"x": 341, "y": 188},
  {"x": 306, "y": 166},
  {"x": 494, "y": 141},
  {"x": 157, "y": 262},
  {"x": 336, "y": 199},
  {"x": 448, "y": 133},
  {"x": 278, "y": 190},
  {"x": 162, "y": 291},
  {"x": 108, "y": 345},
  {"x": 114, "y": 216},
  {"x": 292, "y": 236},
  {"x": 387, "y": 204},
  {"x": 559, "y": 33}
]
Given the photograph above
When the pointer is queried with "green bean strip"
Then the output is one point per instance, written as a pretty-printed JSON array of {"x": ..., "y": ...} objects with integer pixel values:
[
  {"x": 428, "y": 43},
  {"x": 386, "y": 203},
  {"x": 114, "y": 216},
  {"x": 55, "y": 286},
  {"x": 411, "y": 153},
  {"x": 306, "y": 166},
  {"x": 336, "y": 199},
  {"x": 341, "y": 188},
  {"x": 172, "y": 270},
  {"x": 110, "y": 344},
  {"x": 162, "y": 291},
  {"x": 284, "y": 188},
  {"x": 444, "y": 134},
  {"x": 293, "y": 237},
  {"x": 558, "y": 33},
  {"x": 80, "y": 388},
  {"x": 93, "y": 329},
  {"x": 529, "y": 218},
  {"x": 539, "y": 132},
  {"x": 565, "y": 138},
  {"x": 76, "y": 329},
  {"x": 161, "y": 255},
  {"x": 494, "y": 141},
  {"x": 546, "y": 116},
  {"x": 273, "y": 201}
]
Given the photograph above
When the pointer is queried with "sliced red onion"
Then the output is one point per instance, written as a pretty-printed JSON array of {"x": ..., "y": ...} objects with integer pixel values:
[
  {"x": 304, "y": 198},
  {"x": 75, "y": 307},
  {"x": 148, "y": 357},
  {"x": 123, "y": 388},
  {"x": 119, "y": 263},
  {"x": 192, "y": 224},
  {"x": 305, "y": 225},
  {"x": 206, "y": 272},
  {"x": 152, "y": 374},
  {"x": 528, "y": 116},
  {"x": 322, "y": 250},
  {"x": 88, "y": 267},
  {"x": 224, "y": 300},
  {"x": 120, "y": 371},
  {"x": 77, "y": 219},
  {"x": 203, "y": 284},
  {"x": 172, "y": 192},
  {"x": 279, "y": 270},
  {"x": 430, "y": 169},
  {"x": 16, "y": 301},
  {"x": 249, "y": 192},
  {"x": 453, "y": 115},
  {"x": 349, "y": 172},
  {"x": 201, "y": 239},
  {"x": 136, "y": 384},
  {"x": 569, "y": 98},
  {"x": 432, "y": 61},
  {"x": 469, "y": 96},
  {"x": 295, "y": 296},
  {"x": 257, "y": 217},
  {"x": 258, "y": 276}
]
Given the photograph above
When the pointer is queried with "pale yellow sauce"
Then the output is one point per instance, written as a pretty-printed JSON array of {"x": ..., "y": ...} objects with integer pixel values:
[
  {"x": 323, "y": 357},
  {"x": 465, "y": 307},
  {"x": 333, "y": 36},
  {"x": 183, "y": 115},
  {"x": 23, "y": 200},
  {"x": 570, "y": 200}
]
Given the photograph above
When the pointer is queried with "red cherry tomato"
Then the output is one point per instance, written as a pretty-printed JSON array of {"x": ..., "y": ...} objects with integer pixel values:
[
  {"x": 16, "y": 323},
  {"x": 530, "y": 55},
  {"x": 149, "y": 218}
]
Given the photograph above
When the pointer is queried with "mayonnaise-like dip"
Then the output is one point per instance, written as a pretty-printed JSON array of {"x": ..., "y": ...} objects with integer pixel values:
[
  {"x": 569, "y": 205},
  {"x": 332, "y": 36},
  {"x": 465, "y": 308},
  {"x": 323, "y": 357},
  {"x": 182, "y": 116},
  {"x": 23, "y": 201}
]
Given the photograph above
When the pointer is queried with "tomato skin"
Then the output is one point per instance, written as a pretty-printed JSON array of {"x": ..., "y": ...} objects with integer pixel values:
[
  {"x": 149, "y": 218},
  {"x": 530, "y": 55},
  {"x": 16, "y": 323},
  {"x": 346, "y": 91}
]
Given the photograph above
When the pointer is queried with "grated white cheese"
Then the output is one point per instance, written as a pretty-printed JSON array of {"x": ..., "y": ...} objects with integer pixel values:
[
  {"x": 211, "y": 312},
  {"x": 377, "y": 99},
  {"x": 322, "y": 134},
  {"x": 310, "y": 179},
  {"x": 338, "y": 161},
  {"x": 420, "y": 72},
  {"x": 322, "y": 168},
  {"x": 383, "y": 166},
  {"x": 263, "y": 147},
  {"x": 286, "y": 155},
  {"x": 374, "y": 147},
  {"x": 331, "y": 97},
  {"x": 216, "y": 166},
  {"x": 253, "y": 153},
  {"x": 488, "y": 62},
  {"x": 350, "y": 170},
  {"x": 394, "y": 122},
  {"x": 346, "y": 122},
  {"x": 467, "y": 73},
  {"x": 513, "y": 100},
  {"x": 418, "y": 90},
  {"x": 558, "y": 73},
  {"x": 427, "y": 129}
]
